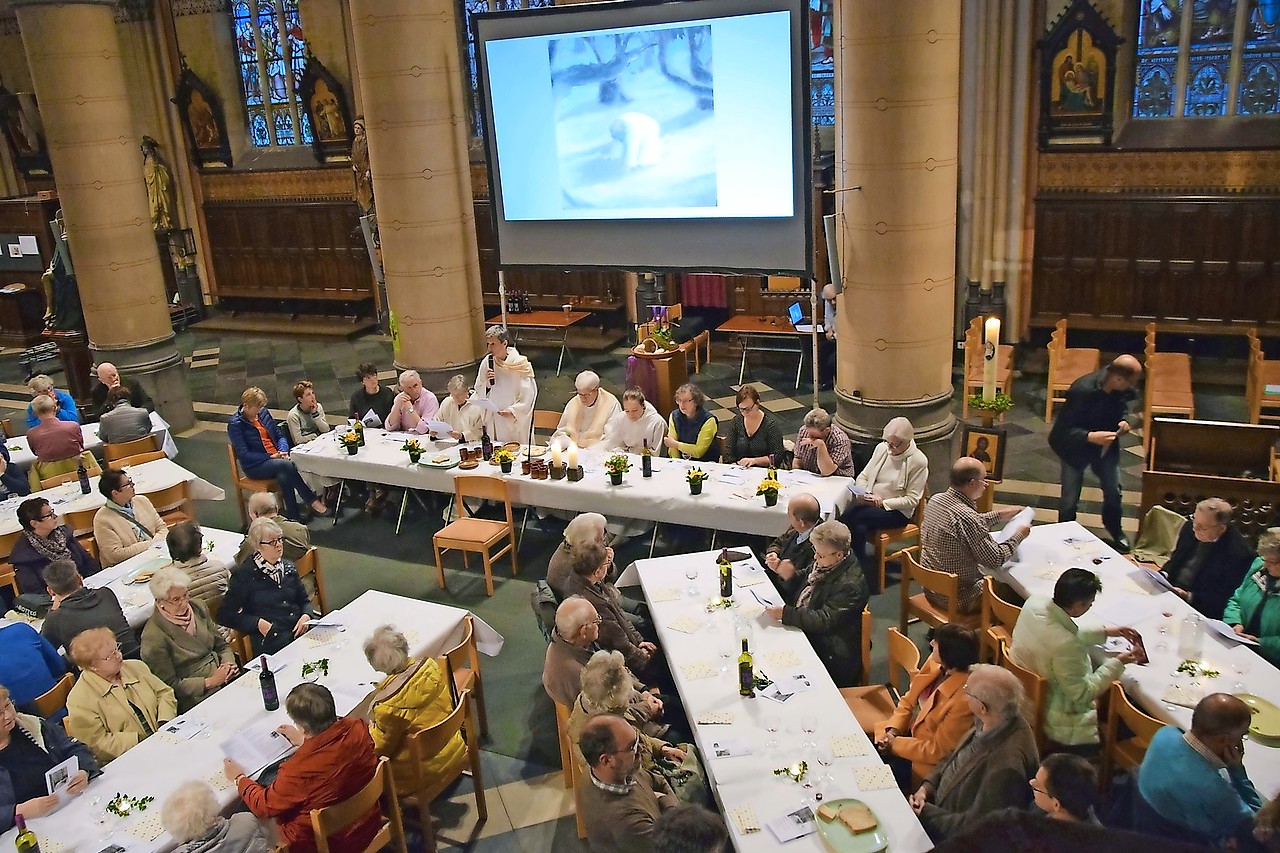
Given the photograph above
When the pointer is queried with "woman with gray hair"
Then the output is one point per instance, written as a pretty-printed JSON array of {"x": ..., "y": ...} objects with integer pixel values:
[
  {"x": 506, "y": 379},
  {"x": 1254, "y": 610},
  {"x": 826, "y": 600},
  {"x": 889, "y": 488},
  {"x": 585, "y": 528},
  {"x": 266, "y": 599},
  {"x": 193, "y": 817},
  {"x": 181, "y": 642},
  {"x": 990, "y": 767},
  {"x": 464, "y": 419},
  {"x": 413, "y": 696}
]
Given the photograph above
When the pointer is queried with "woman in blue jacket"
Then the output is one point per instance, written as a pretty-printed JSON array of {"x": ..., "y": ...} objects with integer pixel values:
[
  {"x": 29, "y": 748},
  {"x": 29, "y": 665},
  {"x": 263, "y": 451}
]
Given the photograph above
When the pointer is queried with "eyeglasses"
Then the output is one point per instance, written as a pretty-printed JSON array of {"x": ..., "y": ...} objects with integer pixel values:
[
  {"x": 113, "y": 653},
  {"x": 1032, "y": 783},
  {"x": 271, "y": 543},
  {"x": 127, "y": 484},
  {"x": 634, "y": 748},
  {"x": 178, "y": 599},
  {"x": 50, "y": 515}
]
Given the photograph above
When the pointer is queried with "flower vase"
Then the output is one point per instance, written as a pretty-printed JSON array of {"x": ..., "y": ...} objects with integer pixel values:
[
  {"x": 415, "y": 458},
  {"x": 616, "y": 479},
  {"x": 695, "y": 488},
  {"x": 352, "y": 448},
  {"x": 506, "y": 466},
  {"x": 770, "y": 498}
]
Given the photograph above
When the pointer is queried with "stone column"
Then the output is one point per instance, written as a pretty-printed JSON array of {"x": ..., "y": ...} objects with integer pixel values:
[
  {"x": 898, "y": 66},
  {"x": 74, "y": 54},
  {"x": 407, "y": 59}
]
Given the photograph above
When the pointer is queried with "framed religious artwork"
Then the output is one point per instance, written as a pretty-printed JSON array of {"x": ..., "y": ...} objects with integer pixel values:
[
  {"x": 1078, "y": 79},
  {"x": 986, "y": 444},
  {"x": 20, "y": 119},
  {"x": 202, "y": 121},
  {"x": 325, "y": 104}
]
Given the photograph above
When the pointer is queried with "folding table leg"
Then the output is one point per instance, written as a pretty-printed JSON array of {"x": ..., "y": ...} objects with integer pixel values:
[
  {"x": 404, "y": 503},
  {"x": 564, "y": 345},
  {"x": 337, "y": 507},
  {"x": 742, "y": 368},
  {"x": 653, "y": 541}
]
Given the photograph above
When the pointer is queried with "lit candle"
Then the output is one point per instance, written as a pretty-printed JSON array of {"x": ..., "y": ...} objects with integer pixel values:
[
  {"x": 573, "y": 455},
  {"x": 989, "y": 358},
  {"x": 555, "y": 453}
]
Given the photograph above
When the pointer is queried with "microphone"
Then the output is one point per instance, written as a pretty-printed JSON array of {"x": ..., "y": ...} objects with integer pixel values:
[
  {"x": 529, "y": 446},
  {"x": 492, "y": 379}
]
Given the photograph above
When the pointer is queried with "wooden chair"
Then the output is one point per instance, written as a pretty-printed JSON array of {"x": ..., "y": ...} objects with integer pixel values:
[
  {"x": 919, "y": 607},
  {"x": 545, "y": 421},
  {"x": 337, "y": 817},
  {"x": 46, "y": 475},
  {"x": 998, "y": 618},
  {"x": 6, "y": 424},
  {"x": 885, "y": 538},
  {"x": 1125, "y": 753},
  {"x": 1037, "y": 689},
  {"x": 1261, "y": 373},
  {"x": 309, "y": 564},
  {"x": 974, "y": 349},
  {"x": 463, "y": 665},
  {"x": 7, "y": 542},
  {"x": 172, "y": 504},
  {"x": 424, "y": 744},
  {"x": 566, "y": 749},
  {"x": 481, "y": 535},
  {"x": 1167, "y": 384},
  {"x": 136, "y": 459},
  {"x": 9, "y": 578},
  {"x": 1066, "y": 365},
  {"x": 874, "y": 703},
  {"x": 241, "y": 647},
  {"x": 125, "y": 449},
  {"x": 246, "y": 485},
  {"x": 55, "y": 699},
  {"x": 81, "y": 522}
]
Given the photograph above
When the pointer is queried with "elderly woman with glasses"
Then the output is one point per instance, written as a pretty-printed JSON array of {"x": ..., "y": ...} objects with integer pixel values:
[
  {"x": 116, "y": 704},
  {"x": 127, "y": 524},
  {"x": 755, "y": 436},
  {"x": 1254, "y": 610},
  {"x": 29, "y": 748},
  {"x": 263, "y": 451},
  {"x": 266, "y": 599},
  {"x": 825, "y": 600},
  {"x": 181, "y": 642},
  {"x": 890, "y": 487},
  {"x": 43, "y": 540},
  {"x": 193, "y": 817},
  {"x": 990, "y": 767},
  {"x": 413, "y": 696}
]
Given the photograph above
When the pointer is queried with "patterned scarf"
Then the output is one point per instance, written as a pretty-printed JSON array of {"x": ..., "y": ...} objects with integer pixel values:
[
  {"x": 186, "y": 620},
  {"x": 52, "y": 548},
  {"x": 275, "y": 572},
  {"x": 816, "y": 575}
]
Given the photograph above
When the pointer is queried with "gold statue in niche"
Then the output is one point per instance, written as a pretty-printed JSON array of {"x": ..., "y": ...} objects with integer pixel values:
[
  {"x": 159, "y": 181},
  {"x": 328, "y": 115},
  {"x": 360, "y": 167}
]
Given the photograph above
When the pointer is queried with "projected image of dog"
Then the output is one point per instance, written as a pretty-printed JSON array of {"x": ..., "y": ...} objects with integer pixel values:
[{"x": 634, "y": 119}]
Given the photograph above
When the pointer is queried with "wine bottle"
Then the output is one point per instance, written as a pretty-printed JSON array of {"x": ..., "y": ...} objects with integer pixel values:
[
  {"x": 746, "y": 673},
  {"x": 646, "y": 460},
  {"x": 25, "y": 841},
  {"x": 267, "y": 682},
  {"x": 486, "y": 443},
  {"x": 359, "y": 430},
  {"x": 726, "y": 574},
  {"x": 84, "y": 478}
]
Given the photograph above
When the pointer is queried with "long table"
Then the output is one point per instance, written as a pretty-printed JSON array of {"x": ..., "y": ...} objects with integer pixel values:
[
  {"x": 1130, "y": 598},
  {"x": 157, "y": 767},
  {"x": 544, "y": 320},
  {"x": 21, "y": 456},
  {"x": 760, "y": 333},
  {"x": 749, "y": 780},
  {"x": 727, "y": 503},
  {"x": 149, "y": 477}
]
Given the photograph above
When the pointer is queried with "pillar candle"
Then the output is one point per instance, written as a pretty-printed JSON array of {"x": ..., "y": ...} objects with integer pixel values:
[
  {"x": 573, "y": 455},
  {"x": 555, "y": 453},
  {"x": 989, "y": 358}
]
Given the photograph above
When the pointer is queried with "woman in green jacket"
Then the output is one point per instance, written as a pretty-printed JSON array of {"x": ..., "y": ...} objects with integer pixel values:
[{"x": 1254, "y": 610}]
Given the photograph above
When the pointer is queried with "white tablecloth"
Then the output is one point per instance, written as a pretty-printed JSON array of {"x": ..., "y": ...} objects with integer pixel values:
[
  {"x": 155, "y": 767},
  {"x": 154, "y": 476},
  {"x": 749, "y": 780},
  {"x": 1128, "y": 598},
  {"x": 20, "y": 452},
  {"x": 728, "y": 501}
]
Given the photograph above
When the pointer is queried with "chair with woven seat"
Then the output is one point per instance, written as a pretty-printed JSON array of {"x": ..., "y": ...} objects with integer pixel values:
[
  {"x": 974, "y": 351},
  {"x": 172, "y": 504},
  {"x": 246, "y": 485},
  {"x": 1066, "y": 365},
  {"x": 874, "y": 703},
  {"x": 55, "y": 698},
  {"x": 545, "y": 421},
  {"x": 423, "y": 744},
  {"x": 1037, "y": 689},
  {"x": 1262, "y": 374},
  {"x": 240, "y": 647},
  {"x": 884, "y": 538},
  {"x": 479, "y": 535},
  {"x": 7, "y": 541},
  {"x": 1125, "y": 753},
  {"x": 125, "y": 449},
  {"x": 332, "y": 819},
  {"x": 1166, "y": 387},
  {"x": 919, "y": 607},
  {"x": 463, "y": 666},
  {"x": 998, "y": 619}
]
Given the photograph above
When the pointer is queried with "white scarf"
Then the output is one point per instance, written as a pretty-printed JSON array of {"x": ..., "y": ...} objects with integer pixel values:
[{"x": 606, "y": 405}]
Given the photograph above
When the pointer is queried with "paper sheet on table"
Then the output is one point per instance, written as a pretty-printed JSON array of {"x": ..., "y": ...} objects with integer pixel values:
[
  {"x": 349, "y": 698},
  {"x": 257, "y": 746},
  {"x": 1024, "y": 517},
  {"x": 797, "y": 824},
  {"x": 371, "y": 419},
  {"x": 434, "y": 425},
  {"x": 176, "y": 731},
  {"x": 1155, "y": 578},
  {"x": 1126, "y": 611},
  {"x": 1222, "y": 629},
  {"x": 273, "y": 663},
  {"x": 484, "y": 403}
]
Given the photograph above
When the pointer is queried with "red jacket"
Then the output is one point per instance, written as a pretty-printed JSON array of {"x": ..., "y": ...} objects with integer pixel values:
[{"x": 326, "y": 769}]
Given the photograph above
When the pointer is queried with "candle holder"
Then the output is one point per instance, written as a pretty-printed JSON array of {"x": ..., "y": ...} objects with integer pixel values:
[
  {"x": 524, "y": 466},
  {"x": 557, "y": 471},
  {"x": 575, "y": 474}
]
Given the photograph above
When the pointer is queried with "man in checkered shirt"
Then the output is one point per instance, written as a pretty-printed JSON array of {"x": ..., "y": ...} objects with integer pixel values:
[{"x": 955, "y": 537}]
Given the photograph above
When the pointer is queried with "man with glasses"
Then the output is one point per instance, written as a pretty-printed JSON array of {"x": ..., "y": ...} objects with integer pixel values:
[
  {"x": 128, "y": 523},
  {"x": 77, "y": 608},
  {"x": 587, "y": 413},
  {"x": 956, "y": 538},
  {"x": 618, "y": 804},
  {"x": 1210, "y": 559}
]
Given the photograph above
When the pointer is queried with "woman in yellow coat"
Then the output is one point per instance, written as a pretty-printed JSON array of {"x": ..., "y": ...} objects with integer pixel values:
[{"x": 414, "y": 696}]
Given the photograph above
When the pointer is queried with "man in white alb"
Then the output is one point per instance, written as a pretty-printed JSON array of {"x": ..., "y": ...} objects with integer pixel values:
[
  {"x": 636, "y": 423},
  {"x": 587, "y": 413},
  {"x": 506, "y": 379}
]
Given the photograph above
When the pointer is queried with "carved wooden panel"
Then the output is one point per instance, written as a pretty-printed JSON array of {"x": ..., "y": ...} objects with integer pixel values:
[{"x": 1190, "y": 263}]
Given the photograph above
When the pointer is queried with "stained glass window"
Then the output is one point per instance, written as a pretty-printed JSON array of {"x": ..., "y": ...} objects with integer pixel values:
[
  {"x": 1207, "y": 58},
  {"x": 271, "y": 54}
]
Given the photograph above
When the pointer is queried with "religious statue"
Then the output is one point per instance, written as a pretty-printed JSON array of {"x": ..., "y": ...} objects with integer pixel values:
[
  {"x": 324, "y": 104},
  {"x": 360, "y": 166},
  {"x": 159, "y": 180}
]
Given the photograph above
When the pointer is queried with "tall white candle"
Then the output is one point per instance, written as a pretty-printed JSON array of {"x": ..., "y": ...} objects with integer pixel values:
[
  {"x": 989, "y": 358},
  {"x": 573, "y": 455},
  {"x": 555, "y": 453}
]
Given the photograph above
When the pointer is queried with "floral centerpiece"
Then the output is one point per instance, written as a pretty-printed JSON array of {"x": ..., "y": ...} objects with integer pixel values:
[
  {"x": 695, "y": 478},
  {"x": 989, "y": 408},
  {"x": 615, "y": 466},
  {"x": 123, "y": 805},
  {"x": 795, "y": 772},
  {"x": 1197, "y": 669},
  {"x": 350, "y": 441},
  {"x": 313, "y": 669},
  {"x": 503, "y": 458},
  {"x": 413, "y": 448},
  {"x": 769, "y": 487}
]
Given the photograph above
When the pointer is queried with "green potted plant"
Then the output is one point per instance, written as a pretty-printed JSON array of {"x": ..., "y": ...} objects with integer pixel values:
[
  {"x": 503, "y": 458},
  {"x": 695, "y": 477},
  {"x": 616, "y": 466},
  {"x": 769, "y": 487},
  {"x": 989, "y": 408},
  {"x": 351, "y": 442},
  {"x": 414, "y": 449}
]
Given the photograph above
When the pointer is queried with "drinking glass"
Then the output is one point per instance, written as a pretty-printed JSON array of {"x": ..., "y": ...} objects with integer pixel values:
[
  {"x": 1240, "y": 666},
  {"x": 771, "y": 724},
  {"x": 809, "y": 722},
  {"x": 1166, "y": 622},
  {"x": 825, "y": 758},
  {"x": 691, "y": 572}
]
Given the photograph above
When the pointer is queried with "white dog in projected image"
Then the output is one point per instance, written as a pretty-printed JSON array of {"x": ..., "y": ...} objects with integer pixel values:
[{"x": 639, "y": 139}]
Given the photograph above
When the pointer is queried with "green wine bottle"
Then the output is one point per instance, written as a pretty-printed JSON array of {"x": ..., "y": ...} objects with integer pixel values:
[
  {"x": 26, "y": 841},
  {"x": 646, "y": 460},
  {"x": 746, "y": 673},
  {"x": 726, "y": 574}
]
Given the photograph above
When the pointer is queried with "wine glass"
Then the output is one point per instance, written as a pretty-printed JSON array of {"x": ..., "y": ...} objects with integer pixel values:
[
  {"x": 809, "y": 723},
  {"x": 1240, "y": 666},
  {"x": 825, "y": 758},
  {"x": 691, "y": 572},
  {"x": 1163, "y": 630},
  {"x": 771, "y": 724}
]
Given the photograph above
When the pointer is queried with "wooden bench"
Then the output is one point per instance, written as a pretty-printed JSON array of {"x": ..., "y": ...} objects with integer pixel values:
[
  {"x": 974, "y": 349},
  {"x": 1262, "y": 373},
  {"x": 1167, "y": 385},
  {"x": 1066, "y": 365}
]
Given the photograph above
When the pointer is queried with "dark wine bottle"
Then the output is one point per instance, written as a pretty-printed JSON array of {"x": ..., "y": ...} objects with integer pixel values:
[
  {"x": 267, "y": 682},
  {"x": 646, "y": 460},
  {"x": 84, "y": 478},
  {"x": 486, "y": 443}
]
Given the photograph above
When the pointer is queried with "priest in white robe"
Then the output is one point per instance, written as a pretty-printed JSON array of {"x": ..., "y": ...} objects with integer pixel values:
[
  {"x": 636, "y": 423},
  {"x": 587, "y": 413},
  {"x": 506, "y": 379}
]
